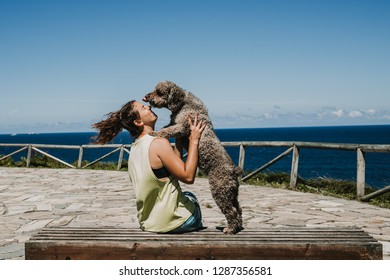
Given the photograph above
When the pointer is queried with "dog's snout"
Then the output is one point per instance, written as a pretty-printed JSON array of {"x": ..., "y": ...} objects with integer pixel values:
[{"x": 146, "y": 98}]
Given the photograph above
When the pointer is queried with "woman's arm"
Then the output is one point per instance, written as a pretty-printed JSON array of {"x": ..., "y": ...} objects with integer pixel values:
[
  {"x": 184, "y": 171},
  {"x": 179, "y": 147}
]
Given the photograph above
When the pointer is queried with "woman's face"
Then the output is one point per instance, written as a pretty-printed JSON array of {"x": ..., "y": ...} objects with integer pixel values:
[{"x": 147, "y": 116}]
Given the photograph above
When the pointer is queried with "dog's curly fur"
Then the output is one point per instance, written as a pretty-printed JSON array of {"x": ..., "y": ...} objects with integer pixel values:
[{"x": 213, "y": 159}]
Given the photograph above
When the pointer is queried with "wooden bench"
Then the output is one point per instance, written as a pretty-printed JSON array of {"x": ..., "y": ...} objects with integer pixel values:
[{"x": 269, "y": 243}]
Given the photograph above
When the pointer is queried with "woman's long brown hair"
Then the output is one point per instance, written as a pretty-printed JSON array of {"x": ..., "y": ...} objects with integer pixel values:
[{"x": 115, "y": 122}]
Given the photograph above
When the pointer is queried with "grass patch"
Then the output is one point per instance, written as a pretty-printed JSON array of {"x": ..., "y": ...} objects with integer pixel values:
[{"x": 326, "y": 186}]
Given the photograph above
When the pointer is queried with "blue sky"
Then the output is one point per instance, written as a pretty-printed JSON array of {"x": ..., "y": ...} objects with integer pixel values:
[{"x": 65, "y": 64}]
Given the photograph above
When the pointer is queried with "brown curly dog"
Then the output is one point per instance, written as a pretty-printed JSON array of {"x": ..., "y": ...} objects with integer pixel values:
[{"x": 223, "y": 175}]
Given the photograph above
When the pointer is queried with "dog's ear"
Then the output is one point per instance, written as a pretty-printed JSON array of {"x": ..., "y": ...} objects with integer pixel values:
[
  {"x": 176, "y": 98},
  {"x": 164, "y": 86}
]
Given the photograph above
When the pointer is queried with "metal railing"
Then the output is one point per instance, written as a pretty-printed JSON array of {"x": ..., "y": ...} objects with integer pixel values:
[{"x": 292, "y": 147}]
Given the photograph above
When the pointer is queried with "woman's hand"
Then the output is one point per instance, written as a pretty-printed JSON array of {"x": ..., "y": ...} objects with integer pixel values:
[{"x": 196, "y": 129}]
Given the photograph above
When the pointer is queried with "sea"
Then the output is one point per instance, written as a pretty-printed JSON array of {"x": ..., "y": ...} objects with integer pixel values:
[{"x": 313, "y": 163}]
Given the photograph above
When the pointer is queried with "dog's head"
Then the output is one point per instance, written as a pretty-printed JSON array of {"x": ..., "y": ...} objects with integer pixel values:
[{"x": 166, "y": 95}]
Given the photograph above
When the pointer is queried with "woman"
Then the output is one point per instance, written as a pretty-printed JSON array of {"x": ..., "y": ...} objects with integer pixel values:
[{"x": 155, "y": 168}]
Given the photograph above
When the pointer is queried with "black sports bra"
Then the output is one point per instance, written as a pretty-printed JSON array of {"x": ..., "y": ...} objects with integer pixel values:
[{"x": 161, "y": 172}]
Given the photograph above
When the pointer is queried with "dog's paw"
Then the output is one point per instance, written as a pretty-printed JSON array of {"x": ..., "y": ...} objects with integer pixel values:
[
  {"x": 232, "y": 230},
  {"x": 154, "y": 133},
  {"x": 228, "y": 230}
]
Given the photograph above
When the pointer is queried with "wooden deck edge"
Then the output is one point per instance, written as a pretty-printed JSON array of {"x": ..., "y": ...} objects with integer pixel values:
[{"x": 286, "y": 243}]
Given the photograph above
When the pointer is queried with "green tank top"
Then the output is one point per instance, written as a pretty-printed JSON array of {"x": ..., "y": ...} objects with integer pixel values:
[{"x": 161, "y": 204}]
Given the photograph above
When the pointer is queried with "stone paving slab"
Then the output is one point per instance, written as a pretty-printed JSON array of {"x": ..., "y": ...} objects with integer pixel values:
[{"x": 31, "y": 199}]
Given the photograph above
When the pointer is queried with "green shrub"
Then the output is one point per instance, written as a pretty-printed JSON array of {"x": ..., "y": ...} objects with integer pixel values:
[{"x": 325, "y": 186}]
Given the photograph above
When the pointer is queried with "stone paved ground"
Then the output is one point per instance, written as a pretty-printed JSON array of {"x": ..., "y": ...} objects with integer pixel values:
[{"x": 31, "y": 199}]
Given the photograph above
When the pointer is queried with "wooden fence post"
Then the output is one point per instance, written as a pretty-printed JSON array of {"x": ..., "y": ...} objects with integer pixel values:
[
  {"x": 361, "y": 173},
  {"x": 28, "y": 156},
  {"x": 241, "y": 158},
  {"x": 80, "y": 159},
  {"x": 294, "y": 167},
  {"x": 120, "y": 159}
]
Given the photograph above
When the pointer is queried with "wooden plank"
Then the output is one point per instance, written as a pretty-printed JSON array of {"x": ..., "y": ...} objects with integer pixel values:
[
  {"x": 377, "y": 193},
  {"x": 171, "y": 251},
  {"x": 375, "y": 148},
  {"x": 11, "y": 154},
  {"x": 54, "y": 146},
  {"x": 281, "y": 243},
  {"x": 52, "y": 157},
  {"x": 103, "y": 157},
  {"x": 276, "y": 159}
]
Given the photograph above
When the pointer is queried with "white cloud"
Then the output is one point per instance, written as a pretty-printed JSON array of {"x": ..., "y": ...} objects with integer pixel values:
[
  {"x": 270, "y": 116},
  {"x": 338, "y": 113},
  {"x": 323, "y": 116},
  {"x": 386, "y": 117},
  {"x": 355, "y": 114}
]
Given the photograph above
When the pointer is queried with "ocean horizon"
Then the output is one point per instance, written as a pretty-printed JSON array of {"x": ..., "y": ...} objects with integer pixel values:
[{"x": 313, "y": 163}]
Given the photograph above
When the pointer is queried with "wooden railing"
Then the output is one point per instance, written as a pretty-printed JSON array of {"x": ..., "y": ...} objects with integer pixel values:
[
  {"x": 37, "y": 148},
  {"x": 292, "y": 147}
]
